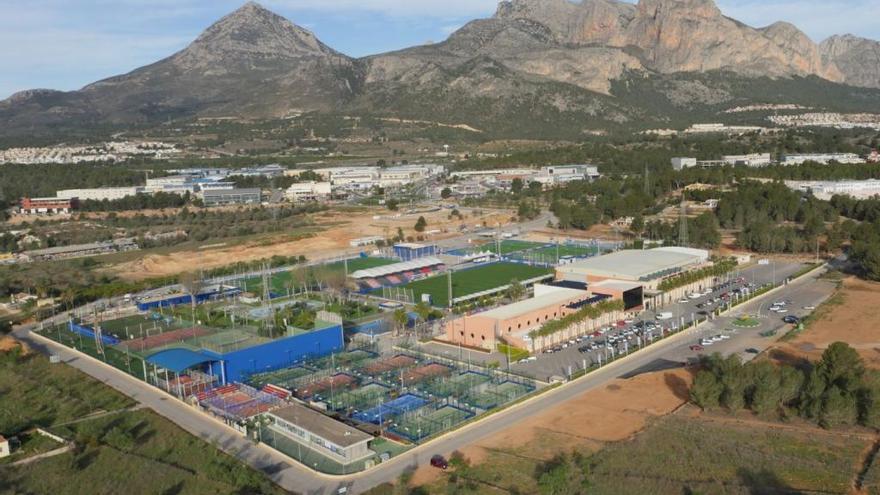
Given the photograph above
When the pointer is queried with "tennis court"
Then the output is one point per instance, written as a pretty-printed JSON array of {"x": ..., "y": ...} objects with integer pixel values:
[
  {"x": 472, "y": 281},
  {"x": 421, "y": 425},
  {"x": 384, "y": 412},
  {"x": 338, "y": 382},
  {"x": 360, "y": 398},
  {"x": 286, "y": 378},
  {"x": 424, "y": 373},
  {"x": 495, "y": 395},
  {"x": 457, "y": 385}
]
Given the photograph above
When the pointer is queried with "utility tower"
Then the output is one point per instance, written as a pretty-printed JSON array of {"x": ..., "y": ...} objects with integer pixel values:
[{"x": 683, "y": 225}]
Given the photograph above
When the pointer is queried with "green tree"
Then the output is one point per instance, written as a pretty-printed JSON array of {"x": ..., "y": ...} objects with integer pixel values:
[
  {"x": 421, "y": 223},
  {"x": 841, "y": 366},
  {"x": 638, "y": 224},
  {"x": 838, "y": 408},
  {"x": 766, "y": 392},
  {"x": 446, "y": 193},
  {"x": 516, "y": 185},
  {"x": 515, "y": 291},
  {"x": 401, "y": 318},
  {"x": 706, "y": 390},
  {"x": 392, "y": 204}
]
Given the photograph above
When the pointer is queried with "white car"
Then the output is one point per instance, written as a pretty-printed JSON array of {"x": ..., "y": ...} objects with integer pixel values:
[
  {"x": 725, "y": 337},
  {"x": 682, "y": 301},
  {"x": 782, "y": 310},
  {"x": 809, "y": 308},
  {"x": 694, "y": 296}
]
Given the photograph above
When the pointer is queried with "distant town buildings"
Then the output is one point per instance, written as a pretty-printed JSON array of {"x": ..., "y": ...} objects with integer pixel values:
[
  {"x": 828, "y": 119},
  {"x": 823, "y": 158},
  {"x": 106, "y": 152}
]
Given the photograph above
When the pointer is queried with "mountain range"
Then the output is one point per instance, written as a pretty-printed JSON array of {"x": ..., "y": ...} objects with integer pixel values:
[{"x": 557, "y": 64}]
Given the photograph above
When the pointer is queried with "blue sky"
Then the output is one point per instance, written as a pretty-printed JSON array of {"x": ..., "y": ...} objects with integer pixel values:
[{"x": 65, "y": 44}]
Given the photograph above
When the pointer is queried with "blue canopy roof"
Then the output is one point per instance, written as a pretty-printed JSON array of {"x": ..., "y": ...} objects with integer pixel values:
[{"x": 178, "y": 360}]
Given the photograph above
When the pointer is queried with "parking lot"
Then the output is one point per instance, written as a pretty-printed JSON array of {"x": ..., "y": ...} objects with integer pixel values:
[{"x": 634, "y": 334}]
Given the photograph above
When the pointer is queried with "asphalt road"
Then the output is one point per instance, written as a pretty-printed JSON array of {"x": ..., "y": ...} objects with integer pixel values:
[{"x": 297, "y": 478}]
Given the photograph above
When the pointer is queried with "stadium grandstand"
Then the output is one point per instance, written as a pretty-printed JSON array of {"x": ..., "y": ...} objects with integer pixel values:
[{"x": 397, "y": 273}]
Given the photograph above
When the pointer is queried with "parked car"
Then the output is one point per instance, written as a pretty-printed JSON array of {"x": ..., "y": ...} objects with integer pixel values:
[
  {"x": 791, "y": 319},
  {"x": 809, "y": 308},
  {"x": 752, "y": 350},
  {"x": 438, "y": 461},
  {"x": 697, "y": 347}
]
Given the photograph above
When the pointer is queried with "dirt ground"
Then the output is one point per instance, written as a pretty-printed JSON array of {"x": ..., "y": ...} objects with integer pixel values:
[
  {"x": 854, "y": 321},
  {"x": 612, "y": 413},
  {"x": 331, "y": 242},
  {"x": 8, "y": 343},
  {"x": 598, "y": 231}
]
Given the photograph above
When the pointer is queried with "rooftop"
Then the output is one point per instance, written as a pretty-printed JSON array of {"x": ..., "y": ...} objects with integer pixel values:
[
  {"x": 398, "y": 267},
  {"x": 559, "y": 296},
  {"x": 618, "y": 285},
  {"x": 323, "y": 426},
  {"x": 634, "y": 264}
]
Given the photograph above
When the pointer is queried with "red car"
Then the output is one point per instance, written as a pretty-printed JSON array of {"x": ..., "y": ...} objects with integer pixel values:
[
  {"x": 621, "y": 323},
  {"x": 697, "y": 347},
  {"x": 438, "y": 461}
]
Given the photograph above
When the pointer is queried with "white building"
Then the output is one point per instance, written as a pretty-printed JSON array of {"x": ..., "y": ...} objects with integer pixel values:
[
  {"x": 823, "y": 158},
  {"x": 5, "y": 449},
  {"x": 859, "y": 189},
  {"x": 309, "y": 191},
  {"x": 750, "y": 160},
  {"x": 99, "y": 194},
  {"x": 320, "y": 433},
  {"x": 681, "y": 163}
]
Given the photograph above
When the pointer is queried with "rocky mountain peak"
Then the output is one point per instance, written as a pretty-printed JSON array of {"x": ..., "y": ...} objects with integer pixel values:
[
  {"x": 255, "y": 31},
  {"x": 685, "y": 9}
]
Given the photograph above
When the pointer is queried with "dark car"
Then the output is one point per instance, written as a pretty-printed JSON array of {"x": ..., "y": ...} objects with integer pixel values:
[
  {"x": 752, "y": 350},
  {"x": 438, "y": 461},
  {"x": 792, "y": 319}
]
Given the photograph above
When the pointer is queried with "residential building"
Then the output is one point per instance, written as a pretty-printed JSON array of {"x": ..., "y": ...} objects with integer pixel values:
[{"x": 232, "y": 197}]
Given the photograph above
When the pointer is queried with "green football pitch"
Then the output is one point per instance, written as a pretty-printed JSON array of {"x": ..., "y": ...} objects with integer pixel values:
[
  {"x": 278, "y": 281},
  {"x": 471, "y": 281}
]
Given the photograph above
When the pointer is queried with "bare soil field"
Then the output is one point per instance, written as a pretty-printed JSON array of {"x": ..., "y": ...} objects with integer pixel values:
[
  {"x": 612, "y": 413},
  {"x": 336, "y": 231},
  {"x": 854, "y": 321}
]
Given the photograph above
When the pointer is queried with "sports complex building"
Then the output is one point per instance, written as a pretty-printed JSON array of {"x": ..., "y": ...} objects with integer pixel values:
[
  {"x": 397, "y": 273},
  {"x": 630, "y": 276}
]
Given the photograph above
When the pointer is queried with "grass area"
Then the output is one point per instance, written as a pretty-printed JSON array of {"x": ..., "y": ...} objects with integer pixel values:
[
  {"x": 128, "y": 452},
  {"x": 137, "y": 452},
  {"x": 681, "y": 455},
  {"x": 34, "y": 393},
  {"x": 674, "y": 455},
  {"x": 471, "y": 281},
  {"x": 514, "y": 353},
  {"x": 32, "y": 443},
  {"x": 746, "y": 321}
]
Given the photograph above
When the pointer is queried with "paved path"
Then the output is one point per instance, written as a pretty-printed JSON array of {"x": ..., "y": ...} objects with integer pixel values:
[{"x": 297, "y": 478}]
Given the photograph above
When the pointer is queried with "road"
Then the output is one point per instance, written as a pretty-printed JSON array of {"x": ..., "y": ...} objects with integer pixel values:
[{"x": 297, "y": 478}]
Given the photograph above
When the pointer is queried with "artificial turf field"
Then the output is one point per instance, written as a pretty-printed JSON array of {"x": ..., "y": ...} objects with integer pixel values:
[
  {"x": 279, "y": 280},
  {"x": 473, "y": 280}
]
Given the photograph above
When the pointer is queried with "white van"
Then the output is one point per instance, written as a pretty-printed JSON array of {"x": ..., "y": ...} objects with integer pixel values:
[{"x": 664, "y": 316}]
